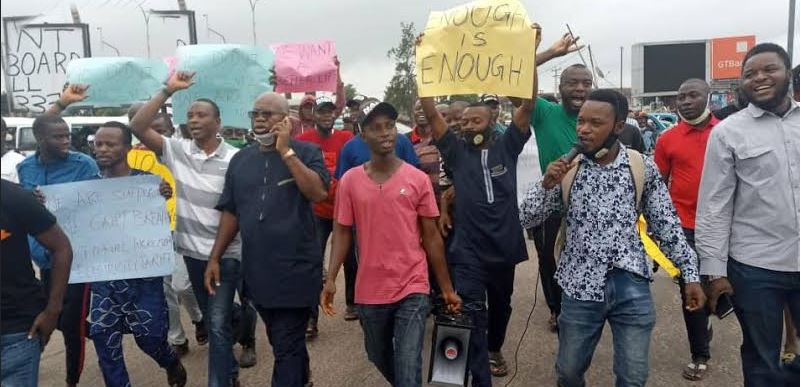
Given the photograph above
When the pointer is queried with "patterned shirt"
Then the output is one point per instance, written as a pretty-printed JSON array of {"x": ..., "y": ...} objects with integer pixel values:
[{"x": 601, "y": 225}]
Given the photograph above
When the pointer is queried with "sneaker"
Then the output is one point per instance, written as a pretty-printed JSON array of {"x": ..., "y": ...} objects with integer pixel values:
[
  {"x": 201, "y": 333},
  {"x": 311, "y": 331},
  {"x": 247, "y": 358},
  {"x": 350, "y": 313},
  {"x": 176, "y": 375},
  {"x": 181, "y": 349}
]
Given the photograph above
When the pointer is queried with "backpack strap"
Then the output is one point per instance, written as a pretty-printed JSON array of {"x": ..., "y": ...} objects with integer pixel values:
[
  {"x": 567, "y": 186},
  {"x": 637, "y": 169}
]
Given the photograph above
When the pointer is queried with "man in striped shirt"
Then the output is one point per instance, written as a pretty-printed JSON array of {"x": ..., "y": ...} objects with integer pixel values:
[{"x": 199, "y": 166}]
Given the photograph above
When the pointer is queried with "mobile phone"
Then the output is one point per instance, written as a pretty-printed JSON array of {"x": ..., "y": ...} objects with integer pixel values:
[{"x": 724, "y": 306}]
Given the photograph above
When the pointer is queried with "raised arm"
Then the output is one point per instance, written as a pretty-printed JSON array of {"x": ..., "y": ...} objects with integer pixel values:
[
  {"x": 70, "y": 95},
  {"x": 341, "y": 97},
  {"x": 140, "y": 124},
  {"x": 438, "y": 125}
]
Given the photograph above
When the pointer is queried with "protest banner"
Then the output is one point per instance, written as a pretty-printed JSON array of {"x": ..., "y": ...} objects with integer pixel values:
[
  {"x": 231, "y": 75},
  {"x": 116, "y": 81},
  {"x": 118, "y": 227},
  {"x": 485, "y": 46},
  {"x": 36, "y": 60},
  {"x": 302, "y": 67},
  {"x": 146, "y": 160}
]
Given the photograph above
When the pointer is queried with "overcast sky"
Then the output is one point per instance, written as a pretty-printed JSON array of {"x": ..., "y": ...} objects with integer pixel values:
[{"x": 365, "y": 29}]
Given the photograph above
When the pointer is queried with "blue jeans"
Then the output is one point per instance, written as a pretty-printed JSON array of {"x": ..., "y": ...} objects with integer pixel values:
[
  {"x": 217, "y": 312},
  {"x": 629, "y": 309},
  {"x": 393, "y": 338},
  {"x": 20, "y": 360},
  {"x": 759, "y": 299}
]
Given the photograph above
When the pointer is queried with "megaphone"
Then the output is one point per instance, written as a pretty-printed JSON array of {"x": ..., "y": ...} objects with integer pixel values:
[{"x": 450, "y": 343}]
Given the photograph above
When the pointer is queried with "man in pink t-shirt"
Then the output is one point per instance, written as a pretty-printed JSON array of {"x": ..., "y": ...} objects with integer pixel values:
[{"x": 393, "y": 206}]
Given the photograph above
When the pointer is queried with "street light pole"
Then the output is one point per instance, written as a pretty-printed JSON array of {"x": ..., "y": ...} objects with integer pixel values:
[
  {"x": 790, "y": 29},
  {"x": 253, "y": 17},
  {"x": 209, "y": 29},
  {"x": 147, "y": 28},
  {"x": 100, "y": 32}
]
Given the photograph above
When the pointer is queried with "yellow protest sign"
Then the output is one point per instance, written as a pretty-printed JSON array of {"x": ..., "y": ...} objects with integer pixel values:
[
  {"x": 653, "y": 250},
  {"x": 485, "y": 46},
  {"x": 147, "y": 161}
]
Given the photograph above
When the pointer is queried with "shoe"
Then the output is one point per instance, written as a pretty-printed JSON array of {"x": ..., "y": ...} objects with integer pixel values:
[
  {"x": 176, "y": 375},
  {"x": 311, "y": 331},
  {"x": 201, "y": 333},
  {"x": 248, "y": 357},
  {"x": 181, "y": 349},
  {"x": 235, "y": 383},
  {"x": 498, "y": 366},
  {"x": 553, "y": 323},
  {"x": 350, "y": 313}
]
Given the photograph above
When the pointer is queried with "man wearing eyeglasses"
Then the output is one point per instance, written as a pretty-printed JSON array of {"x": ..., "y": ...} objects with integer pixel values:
[{"x": 269, "y": 189}]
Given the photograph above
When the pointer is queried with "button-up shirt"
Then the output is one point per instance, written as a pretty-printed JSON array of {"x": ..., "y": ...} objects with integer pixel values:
[
  {"x": 748, "y": 201},
  {"x": 601, "y": 225}
]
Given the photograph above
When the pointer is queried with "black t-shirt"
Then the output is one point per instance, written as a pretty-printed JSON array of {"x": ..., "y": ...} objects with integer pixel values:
[
  {"x": 486, "y": 222},
  {"x": 281, "y": 257},
  {"x": 23, "y": 296},
  {"x": 631, "y": 137}
]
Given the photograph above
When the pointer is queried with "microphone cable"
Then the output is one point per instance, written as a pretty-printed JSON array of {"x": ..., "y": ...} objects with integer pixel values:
[{"x": 528, "y": 320}]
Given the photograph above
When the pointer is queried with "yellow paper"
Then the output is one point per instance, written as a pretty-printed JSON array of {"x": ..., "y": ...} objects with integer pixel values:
[
  {"x": 485, "y": 46},
  {"x": 653, "y": 250},
  {"x": 147, "y": 161}
]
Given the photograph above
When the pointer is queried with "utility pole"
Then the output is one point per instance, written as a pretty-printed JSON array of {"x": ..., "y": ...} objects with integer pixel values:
[
  {"x": 556, "y": 81},
  {"x": 621, "y": 69},
  {"x": 209, "y": 29},
  {"x": 592, "y": 68},
  {"x": 253, "y": 17},
  {"x": 790, "y": 29}
]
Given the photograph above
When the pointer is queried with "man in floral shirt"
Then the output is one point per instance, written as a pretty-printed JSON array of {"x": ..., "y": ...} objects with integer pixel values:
[{"x": 604, "y": 271}]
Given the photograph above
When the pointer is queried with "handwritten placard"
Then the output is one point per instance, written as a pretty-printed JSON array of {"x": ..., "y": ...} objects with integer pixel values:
[
  {"x": 118, "y": 80},
  {"x": 118, "y": 227},
  {"x": 302, "y": 67},
  {"x": 146, "y": 160},
  {"x": 485, "y": 46},
  {"x": 231, "y": 75}
]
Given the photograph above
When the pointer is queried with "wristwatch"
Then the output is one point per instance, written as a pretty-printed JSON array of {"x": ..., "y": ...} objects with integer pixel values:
[
  {"x": 711, "y": 278},
  {"x": 288, "y": 154}
]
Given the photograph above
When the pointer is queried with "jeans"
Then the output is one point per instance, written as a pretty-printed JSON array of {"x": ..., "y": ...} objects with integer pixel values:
[
  {"x": 697, "y": 322},
  {"x": 286, "y": 330},
  {"x": 544, "y": 237},
  {"x": 178, "y": 291},
  {"x": 72, "y": 324},
  {"x": 473, "y": 283},
  {"x": 393, "y": 338},
  {"x": 324, "y": 229},
  {"x": 630, "y": 311},
  {"x": 217, "y": 312},
  {"x": 19, "y": 360},
  {"x": 759, "y": 299}
]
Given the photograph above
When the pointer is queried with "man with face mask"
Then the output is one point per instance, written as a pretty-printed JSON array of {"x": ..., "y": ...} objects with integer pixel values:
[
  {"x": 487, "y": 241},
  {"x": 198, "y": 166},
  {"x": 679, "y": 155},
  {"x": 331, "y": 143},
  {"x": 603, "y": 268},
  {"x": 269, "y": 189},
  {"x": 746, "y": 230}
]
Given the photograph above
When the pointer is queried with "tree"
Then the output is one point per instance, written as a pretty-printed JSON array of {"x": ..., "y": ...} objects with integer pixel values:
[
  {"x": 402, "y": 89},
  {"x": 350, "y": 91}
]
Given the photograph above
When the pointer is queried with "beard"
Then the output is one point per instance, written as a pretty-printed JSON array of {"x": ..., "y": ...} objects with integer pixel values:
[{"x": 776, "y": 101}]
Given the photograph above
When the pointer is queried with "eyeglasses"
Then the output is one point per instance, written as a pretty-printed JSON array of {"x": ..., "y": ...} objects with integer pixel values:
[{"x": 261, "y": 113}]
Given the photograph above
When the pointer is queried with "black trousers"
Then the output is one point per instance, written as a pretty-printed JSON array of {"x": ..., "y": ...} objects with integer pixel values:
[
  {"x": 544, "y": 237},
  {"x": 286, "y": 330},
  {"x": 73, "y": 326},
  {"x": 697, "y": 322}
]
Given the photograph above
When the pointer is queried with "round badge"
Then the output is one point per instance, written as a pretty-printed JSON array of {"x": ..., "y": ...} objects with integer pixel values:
[{"x": 478, "y": 139}]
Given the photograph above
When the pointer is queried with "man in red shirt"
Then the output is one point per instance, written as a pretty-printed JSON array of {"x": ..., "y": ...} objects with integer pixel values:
[
  {"x": 679, "y": 154},
  {"x": 331, "y": 142}
]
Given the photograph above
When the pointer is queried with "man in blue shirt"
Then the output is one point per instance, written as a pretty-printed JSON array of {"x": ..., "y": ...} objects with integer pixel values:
[{"x": 55, "y": 163}]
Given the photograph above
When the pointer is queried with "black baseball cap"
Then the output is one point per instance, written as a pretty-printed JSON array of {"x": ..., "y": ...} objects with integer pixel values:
[{"x": 373, "y": 108}]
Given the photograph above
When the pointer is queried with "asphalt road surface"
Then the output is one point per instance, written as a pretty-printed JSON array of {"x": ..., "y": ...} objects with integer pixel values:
[{"x": 338, "y": 357}]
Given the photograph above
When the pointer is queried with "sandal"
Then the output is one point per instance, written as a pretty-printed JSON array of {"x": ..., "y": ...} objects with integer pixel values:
[
  {"x": 498, "y": 367},
  {"x": 788, "y": 357},
  {"x": 695, "y": 371}
]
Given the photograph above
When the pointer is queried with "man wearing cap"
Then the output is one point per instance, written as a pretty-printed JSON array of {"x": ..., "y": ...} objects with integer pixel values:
[
  {"x": 330, "y": 142},
  {"x": 269, "y": 188},
  {"x": 393, "y": 206},
  {"x": 307, "y": 120},
  {"x": 493, "y": 102}
]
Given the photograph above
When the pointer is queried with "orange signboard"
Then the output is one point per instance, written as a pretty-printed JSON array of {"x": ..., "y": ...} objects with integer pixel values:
[{"x": 728, "y": 54}]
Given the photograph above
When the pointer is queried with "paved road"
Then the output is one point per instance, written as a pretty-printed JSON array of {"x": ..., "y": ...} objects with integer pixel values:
[{"x": 338, "y": 357}]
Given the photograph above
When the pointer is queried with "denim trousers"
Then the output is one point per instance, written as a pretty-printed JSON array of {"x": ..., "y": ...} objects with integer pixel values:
[
  {"x": 393, "y": 338},
  {"x": 20, "y": 360},
  {"x": 629, "y": 309}
]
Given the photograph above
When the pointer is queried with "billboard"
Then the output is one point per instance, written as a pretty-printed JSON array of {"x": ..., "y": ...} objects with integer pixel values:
[
  {"x": 36, "y": 60},
  {"x": 727, "y": 56},
  {"x": 666, "y": 66}
]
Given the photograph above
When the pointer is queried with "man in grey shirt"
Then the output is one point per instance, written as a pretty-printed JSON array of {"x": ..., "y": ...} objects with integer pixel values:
[{"x": 747, "y": 233}]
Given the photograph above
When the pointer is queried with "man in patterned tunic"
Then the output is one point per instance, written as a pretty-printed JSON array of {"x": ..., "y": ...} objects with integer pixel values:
[{"x": 604, "y": 271}]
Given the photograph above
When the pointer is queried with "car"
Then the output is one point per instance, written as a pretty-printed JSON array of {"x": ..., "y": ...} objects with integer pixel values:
[
  {"x": 20, "y": 135},
  {"x": 669, "y": 118}
]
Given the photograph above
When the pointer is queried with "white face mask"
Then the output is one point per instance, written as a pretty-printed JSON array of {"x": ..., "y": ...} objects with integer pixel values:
[{"x": 266, "y": 139}]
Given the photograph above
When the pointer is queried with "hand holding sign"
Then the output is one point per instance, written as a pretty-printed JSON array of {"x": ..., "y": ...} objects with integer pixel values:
[{"x": 180, "y": 80}]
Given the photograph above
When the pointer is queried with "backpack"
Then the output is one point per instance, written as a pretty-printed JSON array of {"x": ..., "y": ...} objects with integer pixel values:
[{"x": 637, "y": 170}]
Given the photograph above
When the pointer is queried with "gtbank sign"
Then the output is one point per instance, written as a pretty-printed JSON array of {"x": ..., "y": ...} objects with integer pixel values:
[{"x": 728, "y": 54}]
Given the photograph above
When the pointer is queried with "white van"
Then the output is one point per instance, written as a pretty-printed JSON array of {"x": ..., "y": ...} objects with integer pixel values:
[{"x": 21, "y": 129}]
